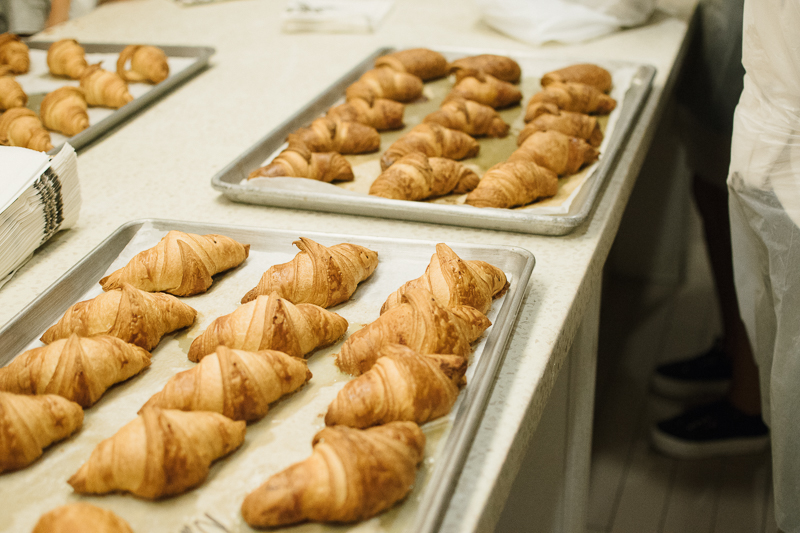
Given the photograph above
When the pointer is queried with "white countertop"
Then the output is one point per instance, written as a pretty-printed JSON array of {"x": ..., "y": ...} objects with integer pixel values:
[{"x": 160, "y": 164}]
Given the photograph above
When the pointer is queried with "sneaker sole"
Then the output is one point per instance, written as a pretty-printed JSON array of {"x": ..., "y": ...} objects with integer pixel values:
[
  {"x": 684, "y": 390},
  {"x": 681, "y": 449}
]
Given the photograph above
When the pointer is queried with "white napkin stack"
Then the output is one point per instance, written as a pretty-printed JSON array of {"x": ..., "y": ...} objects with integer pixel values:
[
  {"x": 334, "y": 16},
  {"x": 38, "y": 197}
]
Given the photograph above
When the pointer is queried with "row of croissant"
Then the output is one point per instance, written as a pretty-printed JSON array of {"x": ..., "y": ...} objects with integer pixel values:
[
  {"x": 65, "y": 110},
  {"x": 248, "y": 360}
]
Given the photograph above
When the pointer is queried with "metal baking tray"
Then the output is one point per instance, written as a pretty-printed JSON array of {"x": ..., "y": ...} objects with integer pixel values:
[
  {"x": 229, "y": 180},
  {"x": 199, "y": 54},
  {"x": 214, "y": 505}
]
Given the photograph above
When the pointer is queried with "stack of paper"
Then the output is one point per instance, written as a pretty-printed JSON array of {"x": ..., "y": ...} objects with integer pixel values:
[{"x": 334, "y": 16}]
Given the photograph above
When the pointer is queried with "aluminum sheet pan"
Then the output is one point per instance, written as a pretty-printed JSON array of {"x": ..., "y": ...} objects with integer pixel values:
[
  {"x": 229, "y": 180},
  {"x": 284, "y": 435}
]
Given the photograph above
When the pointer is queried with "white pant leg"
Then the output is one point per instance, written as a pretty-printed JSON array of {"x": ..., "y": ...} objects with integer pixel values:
[{"x": 26, "y": 16}]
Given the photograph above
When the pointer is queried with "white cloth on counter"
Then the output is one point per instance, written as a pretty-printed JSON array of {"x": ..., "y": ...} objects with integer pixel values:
[{"x": 334, "y": 16}]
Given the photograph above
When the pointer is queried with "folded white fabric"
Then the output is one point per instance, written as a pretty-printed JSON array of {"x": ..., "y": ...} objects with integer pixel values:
[{"x": 334, "y": 16}]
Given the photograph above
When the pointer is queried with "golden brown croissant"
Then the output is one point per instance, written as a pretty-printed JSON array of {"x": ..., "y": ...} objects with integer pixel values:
[
  {"x": 65, "y": 110},
  {"x": 587, "y": 73},
  {"x": 470, "y": 117},
  {"x": 454, "y": 282},
  {"x": 420, "y": 323},
  {"x": 81, "y": 517},
  {"x": 79, "y": 369},
  {"x": 352, "y": 474},
  {"x": 432, "y": 140},
  {"x": 558, "y": 152},
  {"x": 159, "y": 453},
  {"x": 181, "y": 264},
  {"x": 403, "y": 385},
  {"x": 385, "y": 83},
  {"x": 148, "y": 63},
  {"x": 328, "y": 135},
  {"x": 104, "y": 88},
  {"x": 234, "y": 383},
  {"x": 298, "y": 161},
  {"x": 11, "y": 93},
  {"x": 380, "y": 113},
  {"x": 14, "y": 54},
  {"x": 271, "y": 323},
  {"x": 417, "y": 177},
  {"x": 576, "y": 97},
  {"x": 485, "y": 89},
  {"x": 569, "y": 123},
  {"x": 130, "y": 314},
  {"x": 66, "y": 58},
  {"x": 421, "y": 62},
  {"x": 318, "y": 274},
  {"x": 514, "y": 183},
  {"x": 28, "y": 424},
  {"x": 501, "y": 67},
  {"x": 20, "y": 126}
]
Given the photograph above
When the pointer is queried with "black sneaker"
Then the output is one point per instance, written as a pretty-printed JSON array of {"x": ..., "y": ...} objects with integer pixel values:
[
  {"x": 716, "y": 429},
  {"x": 706, "y": 375}
]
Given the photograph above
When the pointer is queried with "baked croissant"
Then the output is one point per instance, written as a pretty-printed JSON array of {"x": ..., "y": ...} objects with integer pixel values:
[
  {"x": 352, "y": 474},
  {"x": 81, "y": 517},
  {"x": 575, "y": 97},
  {"x": 128, "y": 313},
  {"x": 403, "y": 385},
  {"x": 318, "y": 274},
  {"x": 569, "y": 123},
  {"x": 420, "y": 323},
  {"x": 553, "y": 150},
  {"x": 159, "y": 453},
  {"x": 298, "y": 161},
  {"x": 65, "y": 110},
  {"x": 11, "y": 93},
  {"x": 454, "y": 282},
  {"x": 471, "y": 117},
  {"x": 417, "y": 177},
  {"x": 432, "y": 140},
  {"x": 14, "y": 54},
  {"x": 421, "y": 62},
  {"x": 28, "y": 424},
  {"x": 148, "y": 63},
  {"x": 485, "y": 89},
  {"x": 587, "y": 73},
  {"x": 66, "y": 58},
  {"x": 104, "y": 88},
  {"x": 271, "y": 323},
  {"x": 501, "y": 67},
  {"x": 79, "y": 369},
  {"x": 513, "y": 183},
  {"x": 20, "y": 126},
  {"x": 385, "y": 83},
  {"x": 328, "y": 135},
  {"x": 234, "y": 383},
  {"x": 181, "y": 264},
  {"x": 380, "y": 113}
]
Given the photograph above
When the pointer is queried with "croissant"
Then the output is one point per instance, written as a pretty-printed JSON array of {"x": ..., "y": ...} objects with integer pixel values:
[
  {"x": 11, "y": 93},
  {"x": 159, "y": 453},
  {"x": 485, "y": 89},
  {"x": 470, "y": 117},
  {"x": 14, "y": 54},
  {"x": 271, "y": 323},
  {"x": 148, "y": 63},
  {"x": 587, "y": 73},
  {"x": 79, "y": 369},
  {"x": 328, "y": 135},
  {"x": 21, "y": 127},
  {"x": 317, "y": 274},
  {"x": 416, "y": 177},
  {"x": 181, "y": 264},
  {"x": 454, "y": 282},
  {"x": 432, "y": 140},
  {"x": 66, "y": 58},
  {"x": 421, "y": 62},
  {"x": 134, "y": 316},
  {"x": 501, "y": 67},
  {"x": 403, "y": 385},
  {"x": 578, "y": 125},
  {"x": 513, "y": 183},
  {"x": 298, "y": 161},
  {"x": 385, "y": 83},
  {"x": 65, "y": 110},
  {"x": 81, "y": 517},
  {"x": 570, "y": 97},
  {"x": 380, "y": 113},
  {"x": 234, "y": 383},
  {"x": 104, "y": 88},
  {"x": 555, "y": 151},
  {"x": 28, "y": 424},
  {"x": 352, "y": 474}
]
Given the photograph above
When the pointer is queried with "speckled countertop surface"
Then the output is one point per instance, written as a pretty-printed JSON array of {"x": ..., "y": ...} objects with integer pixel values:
[{"x": 160, "y": 164}]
